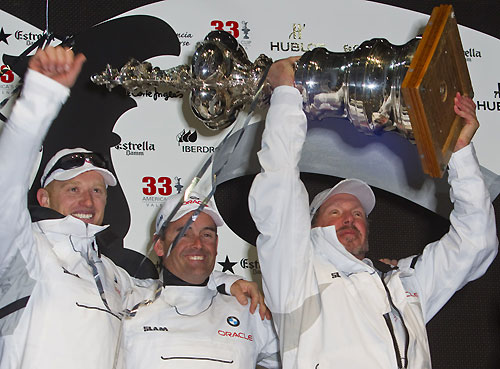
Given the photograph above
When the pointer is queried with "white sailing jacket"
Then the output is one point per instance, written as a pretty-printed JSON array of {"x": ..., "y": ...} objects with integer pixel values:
[
  {"x": 53, "y": 314},
  {"x": 332, "y": 310},
  {"x": 197, "y": 327}
]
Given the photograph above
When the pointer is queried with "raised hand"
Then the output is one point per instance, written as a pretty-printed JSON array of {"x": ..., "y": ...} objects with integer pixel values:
[
  {"x": 465, "y": 107},
  {"x": 58, "y": 63}
]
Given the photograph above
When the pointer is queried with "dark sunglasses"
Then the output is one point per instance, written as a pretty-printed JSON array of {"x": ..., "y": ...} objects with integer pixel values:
[{"x": 76, "y": 160}]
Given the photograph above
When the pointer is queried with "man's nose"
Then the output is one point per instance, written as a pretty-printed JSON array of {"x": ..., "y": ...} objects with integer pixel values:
[
  {"x": 86, "y": 199},
  {"x": 348, "y": 219},
  {"x": 197, "y": 242}
]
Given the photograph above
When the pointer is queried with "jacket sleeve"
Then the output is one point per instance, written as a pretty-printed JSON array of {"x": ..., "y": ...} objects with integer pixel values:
[
  {"x": 20, "y": 141},
  {"x": 269, "y": 355},
  {"x": 279, "y": 205},
  {"x": 222, "y": 281},
  {"x": 465, "y": 252}
]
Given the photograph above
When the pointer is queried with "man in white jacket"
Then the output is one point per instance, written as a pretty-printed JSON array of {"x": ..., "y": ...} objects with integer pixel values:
[
  {"x": 61, "y": 302},
  {"x": 64, "y": 192},
  {"x": 332, "y": 307},
  {"x": 191, "y": 325}
]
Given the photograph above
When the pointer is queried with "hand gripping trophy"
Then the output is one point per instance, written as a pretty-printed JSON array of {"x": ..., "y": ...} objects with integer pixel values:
[{"x": 378, "y": 86}]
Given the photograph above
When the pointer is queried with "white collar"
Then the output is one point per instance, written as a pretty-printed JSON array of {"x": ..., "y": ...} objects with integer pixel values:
[
  {"x": 70, "y": 225},
  {"x": 188, "y": 300},
  {"x": 326, "y": 244}
]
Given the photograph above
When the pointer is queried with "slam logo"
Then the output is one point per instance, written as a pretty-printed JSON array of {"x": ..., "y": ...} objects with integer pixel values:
[
  {"x": 148, "y": 328},
  {"x": 135, "y": 149},
  {"x": 295, "y": 42},
  {"x": 185, "y": 138}
]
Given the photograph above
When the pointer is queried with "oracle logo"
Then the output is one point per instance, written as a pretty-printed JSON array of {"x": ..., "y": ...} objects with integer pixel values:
[{"x": 235, "y": 335}]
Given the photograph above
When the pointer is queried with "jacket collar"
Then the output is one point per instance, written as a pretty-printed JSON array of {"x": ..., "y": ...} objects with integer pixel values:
[
  {"x": 189, "y": 300},
  {"x": 38, "y": 213},
  {"x": 170, "y": 279},
  {"x": 69, "y": 225},
  {"x": 326, "y": 244}
]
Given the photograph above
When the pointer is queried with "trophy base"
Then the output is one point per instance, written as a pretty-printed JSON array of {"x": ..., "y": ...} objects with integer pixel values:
[{"x": 437, "y": 72}]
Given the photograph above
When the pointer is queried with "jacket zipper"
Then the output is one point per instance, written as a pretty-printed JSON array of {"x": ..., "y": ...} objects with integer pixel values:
[{"x": 402, "y": 362}]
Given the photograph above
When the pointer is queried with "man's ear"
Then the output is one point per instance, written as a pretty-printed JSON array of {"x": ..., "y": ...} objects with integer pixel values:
[
  {"x": 42, "y": 195},
  {"x": 158, "y": 247}
]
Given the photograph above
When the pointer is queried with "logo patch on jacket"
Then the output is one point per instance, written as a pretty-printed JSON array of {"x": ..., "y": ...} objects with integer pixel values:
[
  {"x": 148, "y": 328},
  {"x": 233, "y": 321},
  {"x": 242, "y": 335},
  {"x": 335, "y": 275},
  {"x": 412, "y": 294}
]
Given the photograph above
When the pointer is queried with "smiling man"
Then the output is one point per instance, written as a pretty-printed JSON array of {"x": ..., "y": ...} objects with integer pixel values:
[
  {"x": 62, "y": 300},
  {"x": 193, "y": 258},
  {"x": 191, "y": 325},
  {"x": 75, "y": 183},
  {"x": 333, "y": 306}
]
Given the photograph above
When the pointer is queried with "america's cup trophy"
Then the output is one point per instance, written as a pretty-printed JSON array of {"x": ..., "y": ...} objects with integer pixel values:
[{"x": 379, "y": 86}]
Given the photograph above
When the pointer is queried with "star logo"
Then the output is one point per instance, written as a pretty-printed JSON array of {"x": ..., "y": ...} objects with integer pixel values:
[
  {"x": 4, "y": 36},
  {"x": 227, "y": 265}
]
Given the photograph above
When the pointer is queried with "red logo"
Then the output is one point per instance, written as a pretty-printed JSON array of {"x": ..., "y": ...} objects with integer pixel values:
[
  {"x": 162, "y": 186},
  {"x": 6, "y": 75},
  {"x": 235, "y": 335},
  {"x": 230, "y": 26},
  {"x": 191, "y": 201}
]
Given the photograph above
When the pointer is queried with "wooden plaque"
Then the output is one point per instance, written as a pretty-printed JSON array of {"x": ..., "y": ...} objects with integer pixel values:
[{"x": 437, "y": 71}]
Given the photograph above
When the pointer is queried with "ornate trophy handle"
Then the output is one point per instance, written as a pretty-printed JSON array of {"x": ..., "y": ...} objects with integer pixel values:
[{"x": 221, "y": 79}]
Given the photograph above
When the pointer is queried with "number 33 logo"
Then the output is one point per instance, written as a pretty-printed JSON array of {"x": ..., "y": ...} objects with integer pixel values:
[
  {"x": 162, "y": 186},
  {"x": 231, "y": 27}
]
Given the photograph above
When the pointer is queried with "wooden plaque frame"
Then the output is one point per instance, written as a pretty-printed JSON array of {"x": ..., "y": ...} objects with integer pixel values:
[{"x": 437, "y": 71}]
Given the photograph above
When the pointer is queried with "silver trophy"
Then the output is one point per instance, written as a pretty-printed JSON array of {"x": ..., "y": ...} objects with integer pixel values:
[
  {"x": 362, "y": 85},
  {"x": 221, "y": 79},
  {"x": 368, "y": 86}
]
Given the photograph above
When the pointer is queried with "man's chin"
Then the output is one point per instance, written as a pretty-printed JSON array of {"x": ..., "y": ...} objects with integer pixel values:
[{"x": 355, "y": 248}]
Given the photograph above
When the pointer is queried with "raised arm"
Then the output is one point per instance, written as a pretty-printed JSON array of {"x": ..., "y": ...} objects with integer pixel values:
[
  {"x": 46, "y": 87},
  {"x": 471, "y": 244},
  {"x": 278, "y": 200}
]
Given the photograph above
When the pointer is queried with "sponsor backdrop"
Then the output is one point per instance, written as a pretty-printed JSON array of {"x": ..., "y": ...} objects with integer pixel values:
[{"x": 156, "y": 145}]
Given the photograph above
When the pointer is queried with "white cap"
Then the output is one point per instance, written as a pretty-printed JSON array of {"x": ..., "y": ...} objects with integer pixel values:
[
  {"x": 353, "y": 186},
  {"x": 65, "y": 174},
  {"x": 190, "y": 204}
]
